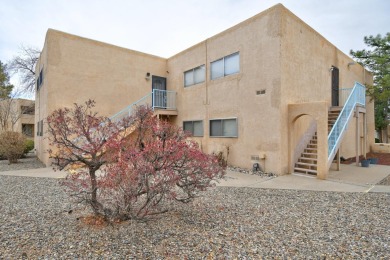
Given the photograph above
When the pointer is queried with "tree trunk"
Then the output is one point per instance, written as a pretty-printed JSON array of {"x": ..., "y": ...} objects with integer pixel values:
[{"x": 94, "y": 202}]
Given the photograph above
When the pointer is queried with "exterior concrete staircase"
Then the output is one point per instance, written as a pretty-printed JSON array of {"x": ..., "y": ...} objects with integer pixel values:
[
  {"x": 307, "y": 163},
  {"x": 338, "y": 120},
  {"x": 333, "y": 114}
]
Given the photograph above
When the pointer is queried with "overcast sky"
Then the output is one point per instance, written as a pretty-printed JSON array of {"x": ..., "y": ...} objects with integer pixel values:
[{"x": 164, "y": 28}]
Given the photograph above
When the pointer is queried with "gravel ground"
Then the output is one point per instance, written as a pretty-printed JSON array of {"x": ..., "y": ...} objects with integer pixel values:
[
  {"x": 227, "y": 223},
  {"x": 30, "y": 162}
]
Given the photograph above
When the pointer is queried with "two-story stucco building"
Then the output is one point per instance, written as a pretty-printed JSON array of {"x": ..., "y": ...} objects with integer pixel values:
[
  {"x": 264, "y": 91},
  {"x": 17, "y": 115}
]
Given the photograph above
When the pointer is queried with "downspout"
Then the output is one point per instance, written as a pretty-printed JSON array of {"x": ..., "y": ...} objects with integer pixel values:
[{"x": 206, "y": 74}]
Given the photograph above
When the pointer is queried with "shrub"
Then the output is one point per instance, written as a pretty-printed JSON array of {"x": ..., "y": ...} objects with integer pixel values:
[
  {"x": 28, "y": 146},
  {"x": 12, "y": 145}
]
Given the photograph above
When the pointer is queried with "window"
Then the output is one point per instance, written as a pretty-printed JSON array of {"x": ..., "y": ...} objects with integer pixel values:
[
  {"x": 224, "y": 127},
  {"x": 194, "y": 76},
  {"x": 40, "y": 128},
  {"x": 27, "y": 110},
  {"x": 40, "y": 79},
  {"x": 28, "y": 129},
  {"x": 225, "y": 66},
  {"x": 194, "y": 127}
]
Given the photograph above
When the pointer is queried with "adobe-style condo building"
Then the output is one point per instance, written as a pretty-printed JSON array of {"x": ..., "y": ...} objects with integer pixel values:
[
  {"x": 17, "y": 115},
  {"x": 266, "y": 91}
]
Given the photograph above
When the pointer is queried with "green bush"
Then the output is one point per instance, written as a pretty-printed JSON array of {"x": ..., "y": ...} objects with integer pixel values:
[
  {"x": 12, "y": 145},
  {"x": 28, "y": 146},
  {"x": 377, "y": 140}
]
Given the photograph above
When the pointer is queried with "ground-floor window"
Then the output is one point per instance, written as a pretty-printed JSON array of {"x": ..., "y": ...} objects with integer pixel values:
[
  {"x": 194, "y": 127},
  {"x": 40, "y": 128},
  {"x": 28, "y": 129},
  {"x": 224, "y": 127}
]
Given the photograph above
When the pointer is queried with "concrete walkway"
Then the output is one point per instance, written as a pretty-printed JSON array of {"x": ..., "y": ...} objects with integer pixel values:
[
  {"x": 47, "y": 172},
  {"x": 350, "y": 179}
]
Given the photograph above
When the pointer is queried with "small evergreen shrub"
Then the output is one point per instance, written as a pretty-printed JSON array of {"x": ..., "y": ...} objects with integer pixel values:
[{"x": 28, "y": 146}]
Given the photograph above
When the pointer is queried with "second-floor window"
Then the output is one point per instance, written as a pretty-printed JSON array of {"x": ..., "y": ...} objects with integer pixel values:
[
  {"x": 27, "y": 110},
  {"x": 194, "y": 76},
  {"x": 40, "y": 79},
  {"x": 225, "y": 66}
]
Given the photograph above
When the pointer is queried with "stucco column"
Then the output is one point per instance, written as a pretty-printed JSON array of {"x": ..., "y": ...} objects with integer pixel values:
[
  {"x": 357, "y": 136},
  {"x": 364, "y": 134},
  {"x": 322, "y": 139}
]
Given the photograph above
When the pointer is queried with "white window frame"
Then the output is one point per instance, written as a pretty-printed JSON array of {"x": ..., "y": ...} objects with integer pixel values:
[
  {"x": 223, "y": 119},
  {"x": 192, "y": 132},
  {"x": 193, "y": 75},
  {"x": 223, "y": 63}
]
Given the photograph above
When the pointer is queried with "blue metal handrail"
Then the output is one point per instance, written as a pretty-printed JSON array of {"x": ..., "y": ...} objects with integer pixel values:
[
  {"x": 356, "y": 97},
  {"x": 146, "y": 100},
  {"x": 157, "y": 99}
]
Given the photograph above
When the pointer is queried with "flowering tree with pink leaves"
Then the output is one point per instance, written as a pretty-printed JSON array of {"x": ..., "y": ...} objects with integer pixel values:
[
  {"x": 78, "y": 137},
  {"x": 144, "y": 164}
]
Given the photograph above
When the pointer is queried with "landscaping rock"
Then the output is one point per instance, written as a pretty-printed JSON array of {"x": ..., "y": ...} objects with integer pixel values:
[{"x": 38, "y": 222}]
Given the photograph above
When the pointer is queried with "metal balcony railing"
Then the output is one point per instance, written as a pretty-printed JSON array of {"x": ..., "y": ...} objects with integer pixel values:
[
  {"x": 157, "y": 99},
  {"x": 356, "y": 97}
]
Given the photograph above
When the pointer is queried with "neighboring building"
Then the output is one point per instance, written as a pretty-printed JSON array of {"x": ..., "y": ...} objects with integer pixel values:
[
  {"x": 259, "y": 90},
  {"x": 17, "y": 115}
]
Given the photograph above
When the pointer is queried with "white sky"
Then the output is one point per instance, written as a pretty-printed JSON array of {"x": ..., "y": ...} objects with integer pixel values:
[{"x": 166, "y": 27}]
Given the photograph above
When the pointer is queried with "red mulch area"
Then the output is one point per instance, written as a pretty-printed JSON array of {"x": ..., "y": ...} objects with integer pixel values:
[{"x": 383, "y": 158}]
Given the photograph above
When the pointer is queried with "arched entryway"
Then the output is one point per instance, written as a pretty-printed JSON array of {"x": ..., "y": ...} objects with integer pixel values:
[{"x": 306, "y": 119}]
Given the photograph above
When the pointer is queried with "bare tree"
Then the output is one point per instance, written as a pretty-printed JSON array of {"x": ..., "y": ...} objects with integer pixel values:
[{"x": 23, "y": 64}]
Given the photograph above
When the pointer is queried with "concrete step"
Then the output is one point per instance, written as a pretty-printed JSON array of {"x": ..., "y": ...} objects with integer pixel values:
[
  {"x": 309, "y": 154},
  {"x": 306, "y": 164},
  {"x": 336, "y": 108},
  {"x": 307, "y": 159},
  {"x": 297, "y": 169}
]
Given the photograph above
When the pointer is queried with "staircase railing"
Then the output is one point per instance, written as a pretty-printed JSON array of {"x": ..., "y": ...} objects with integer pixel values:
[
  {"x": 343, "y": 95},
  {"x": 157, "y": 99},
  {"x": 356, "y": 97}
]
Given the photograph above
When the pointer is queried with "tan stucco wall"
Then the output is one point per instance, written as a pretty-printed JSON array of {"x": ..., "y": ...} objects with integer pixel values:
[
  {"x": 257, "y": 40},
  {"x": 77, "y": 69}
]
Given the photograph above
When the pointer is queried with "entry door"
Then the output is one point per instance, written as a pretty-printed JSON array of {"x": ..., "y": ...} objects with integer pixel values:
[
  {"x": 159, "y": 99},
  {"x": 335, "y": 86}
]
